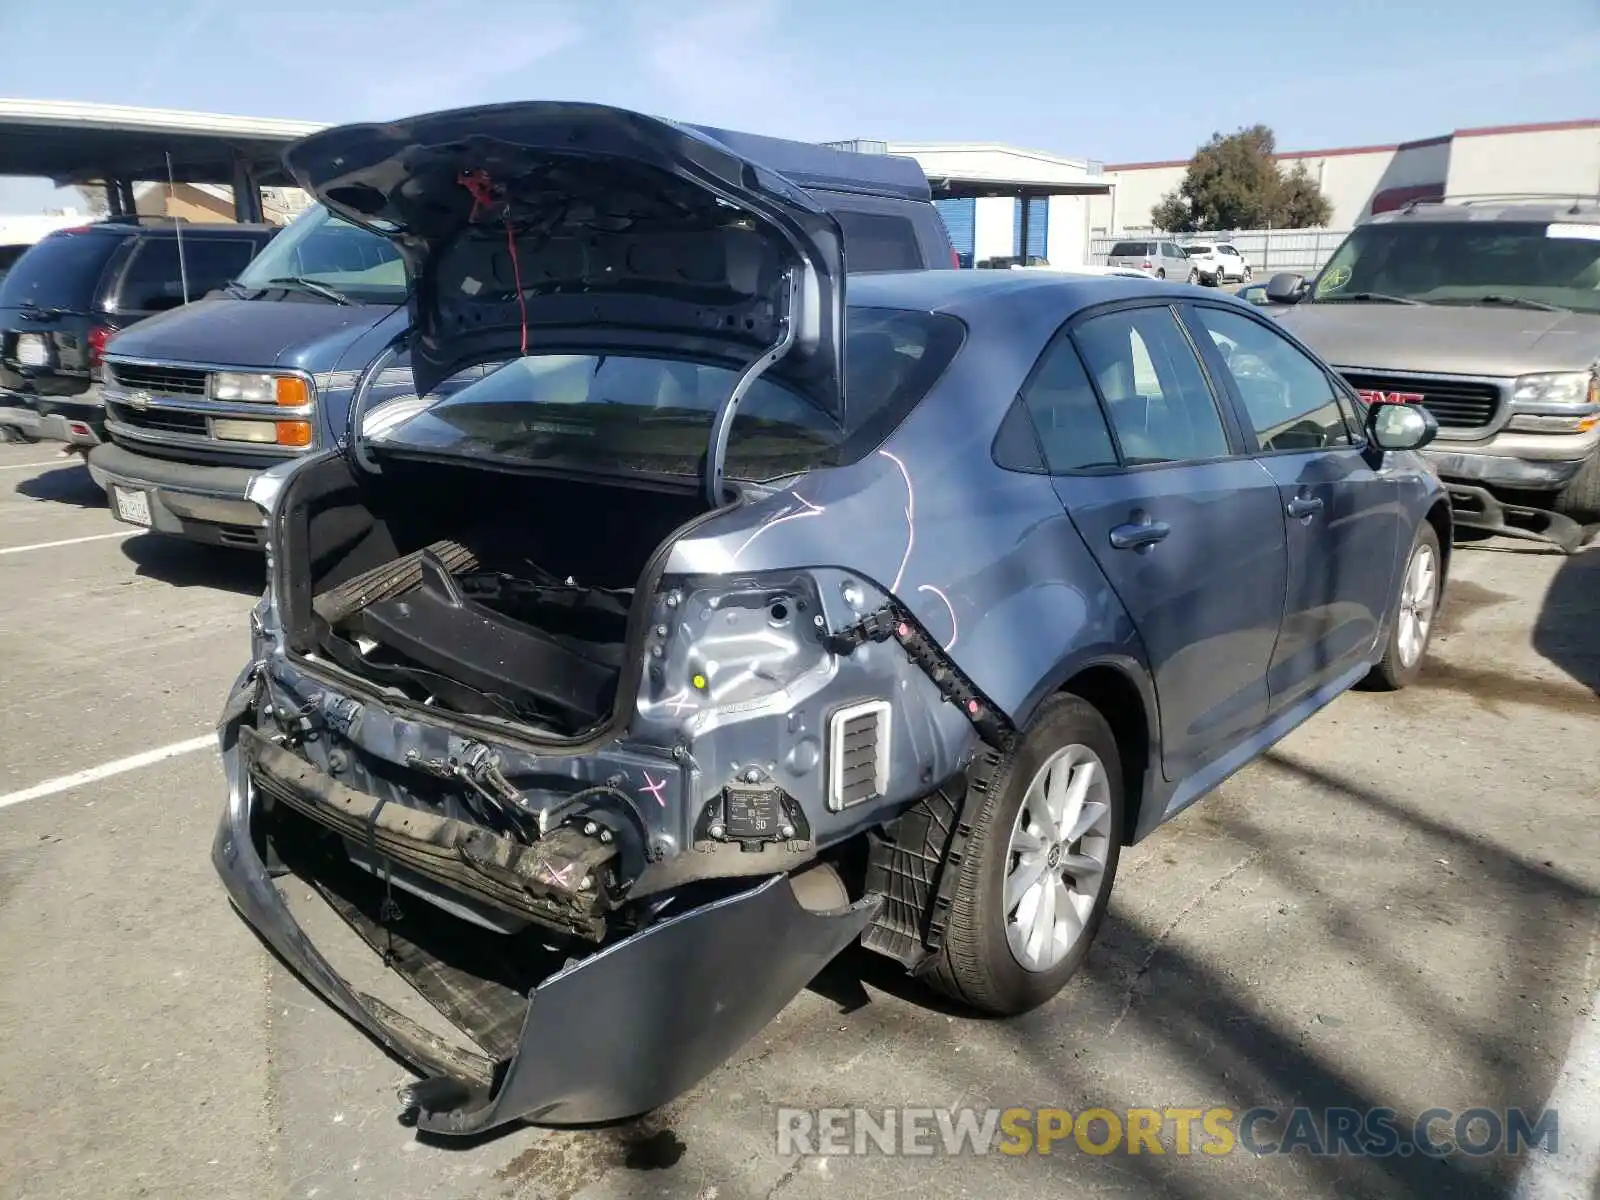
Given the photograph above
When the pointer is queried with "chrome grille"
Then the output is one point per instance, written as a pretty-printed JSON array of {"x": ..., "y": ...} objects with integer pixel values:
[
  {"x": 167, "y": 381},
  {"x": 1455, "y": 403},
  {"x": 159, "y": 420},
  {"x": 859, "y": 753}
]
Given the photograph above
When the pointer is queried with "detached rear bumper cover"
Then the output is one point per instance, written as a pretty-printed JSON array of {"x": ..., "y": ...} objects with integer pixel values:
[{"x": 621, "y": 1033}]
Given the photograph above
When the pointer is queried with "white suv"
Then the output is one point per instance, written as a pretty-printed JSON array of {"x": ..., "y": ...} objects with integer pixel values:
[{"x": 1218, "y": 262}]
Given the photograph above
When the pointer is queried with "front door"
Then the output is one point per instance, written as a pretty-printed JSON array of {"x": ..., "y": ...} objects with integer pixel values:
[
  {"x": 1189, "y": 534},
  {"x": 1343, "y": 517}
]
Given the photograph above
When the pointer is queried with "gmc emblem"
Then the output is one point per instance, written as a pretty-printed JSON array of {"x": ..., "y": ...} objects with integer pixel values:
[{"x": 1373, "y": 396}]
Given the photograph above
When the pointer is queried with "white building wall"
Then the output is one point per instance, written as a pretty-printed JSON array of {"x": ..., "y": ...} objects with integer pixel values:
[
  {"x": 1535, "y": 160},
  {"x": 994, "y": 223},
  {"x": 1067, "y": 235},
  {"x": 1554, "y": 158}
]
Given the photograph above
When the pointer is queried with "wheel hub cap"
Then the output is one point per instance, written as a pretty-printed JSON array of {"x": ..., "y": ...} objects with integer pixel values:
[
  {"x": 1418, "y": 596},
  {"x": 1056, "y": 860}
]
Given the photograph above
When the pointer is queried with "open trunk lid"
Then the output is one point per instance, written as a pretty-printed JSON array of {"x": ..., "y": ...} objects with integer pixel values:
[{"x": 552, "y": 227}]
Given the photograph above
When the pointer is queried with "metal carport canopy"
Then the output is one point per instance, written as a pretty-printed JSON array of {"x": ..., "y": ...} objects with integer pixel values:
[{"x": 72, "y": 143}]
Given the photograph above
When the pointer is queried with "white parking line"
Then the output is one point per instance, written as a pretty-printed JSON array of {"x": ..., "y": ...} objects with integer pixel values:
[
  {"x": 93, "y": 537},
  {"x": 105, "y": 770},
  {"x": 1573, "y": 1171},
  {"x": 49, "y": 462}
]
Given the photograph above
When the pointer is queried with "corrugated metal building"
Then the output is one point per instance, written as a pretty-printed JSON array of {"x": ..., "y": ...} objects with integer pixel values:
[{"x": 1360, "y": 180}]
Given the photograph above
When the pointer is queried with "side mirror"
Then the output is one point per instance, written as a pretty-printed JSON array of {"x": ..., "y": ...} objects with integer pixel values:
[
  {"x": 1400, "y": 426},
  {"x": 1286, "y": 288}
]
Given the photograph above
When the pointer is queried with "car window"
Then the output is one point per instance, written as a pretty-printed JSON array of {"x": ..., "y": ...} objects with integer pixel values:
[
  {"x": 1159, "y": 402},
  {"x": 1199, "y": 249},
  {"x": 62, "y": 271},
  {"x": 154, "y": 280},
  {"x": 875, "y": 242},
  {"x": 1290, "y": 401},
  {"x": 1061, "y": 402},
  {"x": 1228, "y": 250},
  {"x": 621, "y": 412},
  {"x": 1130, "y": 249}
]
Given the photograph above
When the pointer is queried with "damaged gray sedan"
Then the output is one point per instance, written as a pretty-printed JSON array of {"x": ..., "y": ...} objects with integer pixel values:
[{"x": 700, "y": 620}]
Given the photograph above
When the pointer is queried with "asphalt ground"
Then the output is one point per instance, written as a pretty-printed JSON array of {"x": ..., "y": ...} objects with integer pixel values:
[{"x": 1399, "y": 907}]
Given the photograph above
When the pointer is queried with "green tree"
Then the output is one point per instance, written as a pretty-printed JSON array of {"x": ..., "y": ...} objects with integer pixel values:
[
  {"x": 1301, "y": 204},
  {"x": 1234, "y": 182}
]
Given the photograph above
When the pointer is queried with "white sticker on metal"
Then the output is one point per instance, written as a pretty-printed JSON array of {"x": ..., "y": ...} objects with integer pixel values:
[
  {"x": 31, "y": 350},
  {"x": 1573, "y": 230},
  {"x": 132, "y": 506}
]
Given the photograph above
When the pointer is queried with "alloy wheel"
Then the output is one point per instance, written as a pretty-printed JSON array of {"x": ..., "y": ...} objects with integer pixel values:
[
  {"x": 1057, "y": 857},
  {"x": 1418, "y": 598}
]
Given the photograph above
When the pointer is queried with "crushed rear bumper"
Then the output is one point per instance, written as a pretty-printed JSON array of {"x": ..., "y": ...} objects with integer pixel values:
[{"x": 611, "y": 1036}]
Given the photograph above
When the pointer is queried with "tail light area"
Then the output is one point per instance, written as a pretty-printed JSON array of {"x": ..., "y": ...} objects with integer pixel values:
[{"x": 97, "y": 338}]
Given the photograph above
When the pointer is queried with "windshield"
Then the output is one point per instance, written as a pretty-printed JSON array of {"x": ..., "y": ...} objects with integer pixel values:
[
  {"x": 1465, "y": 263},
  {"x": 654, "y": 415},
  {"x": 1130, "y": 250},
  {"x": 323, "y": 249}
]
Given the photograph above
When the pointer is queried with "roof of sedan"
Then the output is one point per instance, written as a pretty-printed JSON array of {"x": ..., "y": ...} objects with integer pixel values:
[{"x": 958, "y": 292}]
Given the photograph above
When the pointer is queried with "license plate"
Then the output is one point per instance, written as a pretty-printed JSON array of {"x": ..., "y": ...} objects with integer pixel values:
[
  {"x": 31, "y": 350},
  {"x": 132, "y": 506}
]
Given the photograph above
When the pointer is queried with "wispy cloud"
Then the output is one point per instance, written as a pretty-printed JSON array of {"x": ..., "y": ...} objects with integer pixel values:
[
  {"x": 715, "y": 58},
  {"x": 417, "y": 57}
]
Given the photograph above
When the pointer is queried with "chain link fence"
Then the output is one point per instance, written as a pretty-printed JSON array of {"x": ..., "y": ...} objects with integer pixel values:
[{"x": 1268, "y": 251}]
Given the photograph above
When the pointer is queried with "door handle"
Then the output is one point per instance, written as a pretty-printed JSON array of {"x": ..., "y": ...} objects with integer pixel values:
[
  {"x": 1304, "y": 506},
  {"x": 1138, "y": 534}
]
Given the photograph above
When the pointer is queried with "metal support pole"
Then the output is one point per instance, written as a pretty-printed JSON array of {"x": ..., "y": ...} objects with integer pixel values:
[
  {"x": 1022, "y": 250},
  {"x": 246, "y": 193},
  {"x": 113, "y": 192},
  {"x": 130, "y": 206}
]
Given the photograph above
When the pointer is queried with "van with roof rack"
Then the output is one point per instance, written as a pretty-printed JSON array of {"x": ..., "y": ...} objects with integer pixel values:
[
  {"x": 1486, "y": 311},
  {"x": 200, "y": 401}
]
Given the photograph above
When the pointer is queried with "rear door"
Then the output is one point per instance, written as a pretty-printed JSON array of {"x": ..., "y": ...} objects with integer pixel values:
[
  {"x": 1187, "y": 528},
  {"x": 1344, "y": 519},
  {"x": 47, "y": 302}
]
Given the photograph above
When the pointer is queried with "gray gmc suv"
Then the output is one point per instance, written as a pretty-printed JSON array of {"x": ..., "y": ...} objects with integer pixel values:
[{"x": 1488, "y": 314}]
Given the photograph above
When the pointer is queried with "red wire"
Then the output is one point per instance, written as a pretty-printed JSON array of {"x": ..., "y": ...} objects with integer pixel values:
[
  {"x": 481, "y": 188},
  {"x": 516, "y": 275}
]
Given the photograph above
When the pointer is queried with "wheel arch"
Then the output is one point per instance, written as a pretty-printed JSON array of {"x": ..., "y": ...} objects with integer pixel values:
[
  {"x": 1123, "y": 696},
  {"x": 1442, "y": 518}
]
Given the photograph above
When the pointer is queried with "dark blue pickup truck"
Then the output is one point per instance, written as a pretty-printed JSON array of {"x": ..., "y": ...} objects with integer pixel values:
[{"x": 201, "y": 399}]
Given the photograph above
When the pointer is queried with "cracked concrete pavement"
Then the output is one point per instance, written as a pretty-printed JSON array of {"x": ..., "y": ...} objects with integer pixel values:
[{"x": 1397, "y": 907}]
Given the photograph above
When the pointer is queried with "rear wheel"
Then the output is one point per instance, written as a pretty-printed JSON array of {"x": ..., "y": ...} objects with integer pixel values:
[
  {"x": 1037, "y": 874},
  {"x": 1580, "y": 498},
  {"x": 1194, "y": 275},
  {"x": 1161, "y": 272},
  {"x": 1412, "y": 623}
]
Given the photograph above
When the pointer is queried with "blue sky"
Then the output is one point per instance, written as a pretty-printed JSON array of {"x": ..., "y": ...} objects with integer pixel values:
[{"x": 1149, "y": 81}]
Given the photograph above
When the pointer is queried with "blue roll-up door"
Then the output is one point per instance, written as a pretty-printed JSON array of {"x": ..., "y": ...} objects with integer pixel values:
[
  {"x": 961, "y": 221},
  {"x": 1038, "y": 226}
]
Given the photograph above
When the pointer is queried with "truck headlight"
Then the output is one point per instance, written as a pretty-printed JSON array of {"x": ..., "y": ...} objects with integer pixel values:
[
  {"x": 1557, "y": 402},
  {"x": 246, "y": 387}
]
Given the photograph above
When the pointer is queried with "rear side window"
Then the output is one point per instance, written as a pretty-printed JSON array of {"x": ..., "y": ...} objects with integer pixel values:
[
  {"x": 61, "y": 271},
  {"x": 875, "y": 242},
  {"x": 154, "y": 281},
  {"x": 1060, "y": 400},
  {"x": 1130, "y": 250},
  {"x": 1158, "y": 399}
]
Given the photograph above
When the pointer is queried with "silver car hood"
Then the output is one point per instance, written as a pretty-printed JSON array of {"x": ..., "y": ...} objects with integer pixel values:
[{"x": 1451, "y": 339}]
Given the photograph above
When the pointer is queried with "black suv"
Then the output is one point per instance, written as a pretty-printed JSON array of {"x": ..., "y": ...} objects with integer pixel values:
[{"x": 64, "y": 298}]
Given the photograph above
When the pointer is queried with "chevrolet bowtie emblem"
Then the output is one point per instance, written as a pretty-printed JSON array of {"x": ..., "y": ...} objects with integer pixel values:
[{"x": 139, "y": 399}]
